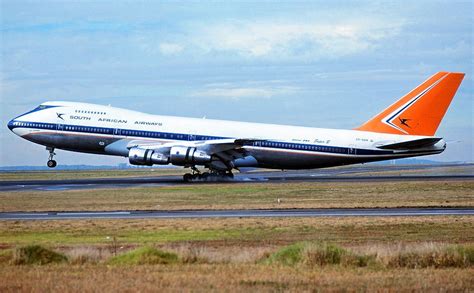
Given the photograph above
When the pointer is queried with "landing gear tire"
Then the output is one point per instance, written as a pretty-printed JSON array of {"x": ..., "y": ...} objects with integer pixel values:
[
  {"x": 51, "y": 163},
  {"x": 187, "y": 177},
  {"x": 206, "y": 176}
]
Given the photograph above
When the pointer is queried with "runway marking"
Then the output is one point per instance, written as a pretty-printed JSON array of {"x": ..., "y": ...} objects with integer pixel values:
[{"x": 91, "y": 213}]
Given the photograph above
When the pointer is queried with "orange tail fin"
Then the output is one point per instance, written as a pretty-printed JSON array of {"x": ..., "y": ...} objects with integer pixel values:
[{"x": 420, "y": 111}]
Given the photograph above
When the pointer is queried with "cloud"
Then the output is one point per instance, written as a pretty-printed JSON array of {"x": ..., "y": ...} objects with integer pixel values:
[
  {"x": 236, "y": 93},
  {"x": 170, "y": 48},
  {"x": 289, "y": 39},
  {"x": 273, "y": 39}
]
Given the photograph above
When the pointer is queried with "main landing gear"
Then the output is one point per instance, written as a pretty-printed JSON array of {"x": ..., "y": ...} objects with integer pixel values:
[
  {"x": 51, "y": 163},
  {"x": 196, "y": 175}
]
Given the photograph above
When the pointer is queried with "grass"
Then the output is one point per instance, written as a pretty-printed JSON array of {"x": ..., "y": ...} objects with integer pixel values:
[
  {"x": 421, "y": 255},
  {"x": 244, "y": 196},
  {"x": 246, "y": 231},
  {"x": 318, "y": 254},
  {"x": 249, "y": 254},
  {"x": 36, "y": 255},
  {"x": 434, "y": 170},
  {"x": 129, "y": 236},
  {"x": 451, "y": 256},
  {"x": 319, "y": 266},
  {"x": 83, "y": 174},
  {"x": 144, "y": 256},
  {"x": 228, "y": 278},
  {"x": 289, "y": 255},
  {"x": 321, "y": 254},
  {"x": 6, "y": 256},
  {"x": 226, "y": 254},
  {"x": 307, "y": 254}
]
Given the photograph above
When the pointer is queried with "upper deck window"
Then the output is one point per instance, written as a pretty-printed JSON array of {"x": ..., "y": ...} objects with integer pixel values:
[{"x": 90, "y": 112}]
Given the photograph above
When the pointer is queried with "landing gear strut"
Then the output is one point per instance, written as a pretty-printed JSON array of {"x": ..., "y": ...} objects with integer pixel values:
[{"x": 51, "y": 163}]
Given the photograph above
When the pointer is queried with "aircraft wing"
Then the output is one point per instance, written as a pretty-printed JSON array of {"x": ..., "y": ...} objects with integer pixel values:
[
  {"x": 225, "y": 150},
  {"x": 223, "y": 145}
]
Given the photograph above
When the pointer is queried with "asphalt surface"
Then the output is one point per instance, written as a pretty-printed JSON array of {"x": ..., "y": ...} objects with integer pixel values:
[
  {"x": 326, "y": 175},
  {"x": 291, "y": 213}
]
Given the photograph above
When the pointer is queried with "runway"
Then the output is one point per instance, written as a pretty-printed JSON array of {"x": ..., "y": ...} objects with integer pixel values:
[
  {"x": 264, "y": 213},
  {"x": 254, "y": 177}
]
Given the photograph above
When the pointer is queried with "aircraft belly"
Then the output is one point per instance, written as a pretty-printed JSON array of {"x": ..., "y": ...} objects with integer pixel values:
[
  {"x": 68, "y": 141},
  {"x": 297, "y": 160},
  {"x": 279, "y": 159}
]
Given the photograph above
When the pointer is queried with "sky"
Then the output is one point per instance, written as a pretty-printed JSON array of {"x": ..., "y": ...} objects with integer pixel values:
[{"x": 329, "y": 64}]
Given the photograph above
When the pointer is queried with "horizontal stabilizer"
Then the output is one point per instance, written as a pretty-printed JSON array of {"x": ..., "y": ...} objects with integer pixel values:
[{"x": 412, "y": 144}]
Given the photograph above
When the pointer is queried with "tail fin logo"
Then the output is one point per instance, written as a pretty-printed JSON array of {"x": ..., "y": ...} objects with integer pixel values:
[
  {"x": 391, "y": 118},
  {"x": 404, "y": 121}
]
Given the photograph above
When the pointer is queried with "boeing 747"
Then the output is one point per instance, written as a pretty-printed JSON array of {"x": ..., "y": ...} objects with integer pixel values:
[{"x": 404, "y": 129}]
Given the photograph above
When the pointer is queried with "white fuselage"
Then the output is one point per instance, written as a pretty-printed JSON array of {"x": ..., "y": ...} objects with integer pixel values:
[{"x": 111, "y": 131}]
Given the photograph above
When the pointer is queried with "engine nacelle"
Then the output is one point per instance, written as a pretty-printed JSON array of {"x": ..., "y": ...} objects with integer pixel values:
[
  {"x": 139, "y": 156},
  {"x": 188, "y": 156}
]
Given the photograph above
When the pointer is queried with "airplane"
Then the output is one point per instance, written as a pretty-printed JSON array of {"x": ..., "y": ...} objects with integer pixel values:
[{"x": 404, "y": 129}]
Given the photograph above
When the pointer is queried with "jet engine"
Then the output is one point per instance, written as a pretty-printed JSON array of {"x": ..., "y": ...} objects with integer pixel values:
[
  {"x": 139, "y": 156},
  {"x": 188, "y": 156}
]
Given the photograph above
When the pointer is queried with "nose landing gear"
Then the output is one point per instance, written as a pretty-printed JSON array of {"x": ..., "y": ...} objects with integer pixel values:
[{"x": 51, "y": 163}]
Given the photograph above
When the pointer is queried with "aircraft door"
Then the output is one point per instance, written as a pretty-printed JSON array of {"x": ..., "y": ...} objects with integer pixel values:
[
  {"x": 352, "y": 150},
  {"x": 192, "y": 135}
]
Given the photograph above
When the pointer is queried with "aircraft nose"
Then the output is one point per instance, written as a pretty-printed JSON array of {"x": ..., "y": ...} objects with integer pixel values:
[{"x": 10, "y": 124}]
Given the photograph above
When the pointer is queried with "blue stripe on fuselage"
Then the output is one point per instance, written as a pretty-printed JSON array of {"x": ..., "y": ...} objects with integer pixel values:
[{"x": 191, "y": 137}]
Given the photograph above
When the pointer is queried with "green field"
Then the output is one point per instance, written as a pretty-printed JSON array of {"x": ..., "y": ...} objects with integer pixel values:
[
  {"x": 243, "y": 195},
  {"x": 259, "y": 254},
  {"x": 234, "y": 254}
]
